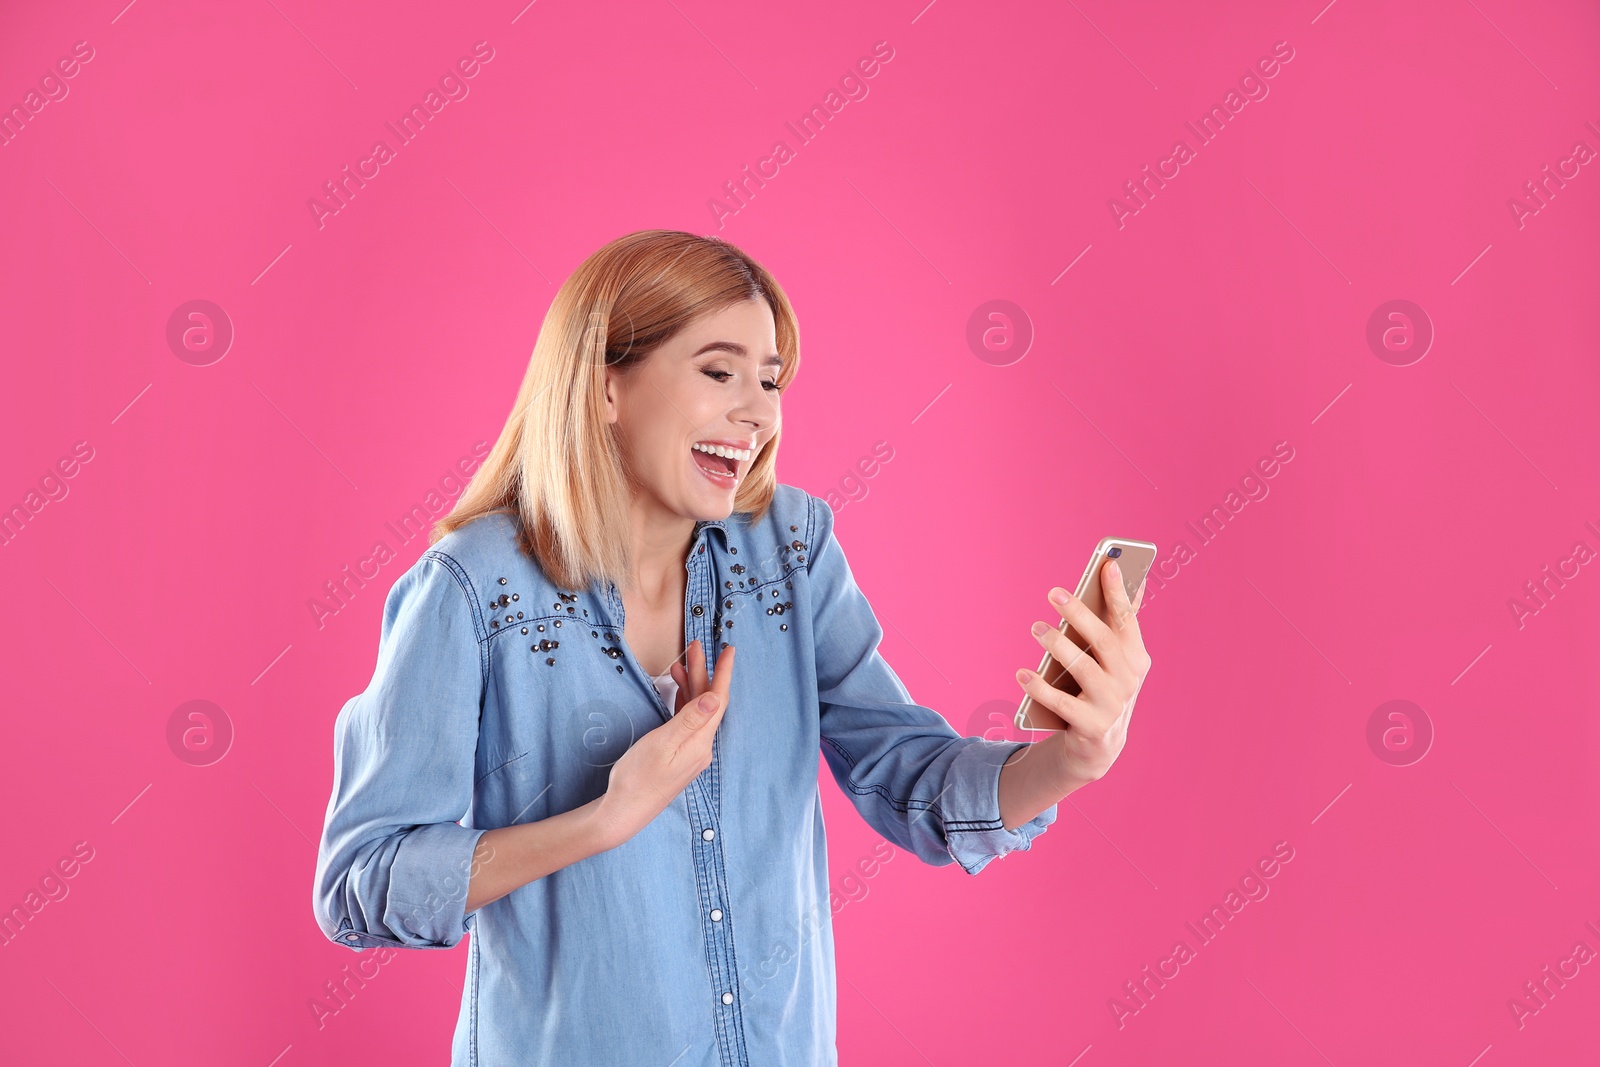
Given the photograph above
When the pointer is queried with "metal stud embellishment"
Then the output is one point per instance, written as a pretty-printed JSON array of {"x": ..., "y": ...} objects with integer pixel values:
[{"x": 502, "y": 581}]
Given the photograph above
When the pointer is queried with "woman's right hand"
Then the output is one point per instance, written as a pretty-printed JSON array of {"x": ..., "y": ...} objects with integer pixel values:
[{"x": 658, "y": 766}]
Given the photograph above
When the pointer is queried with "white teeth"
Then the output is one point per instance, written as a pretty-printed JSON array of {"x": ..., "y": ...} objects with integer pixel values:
[{"x": 740, "y": 454}]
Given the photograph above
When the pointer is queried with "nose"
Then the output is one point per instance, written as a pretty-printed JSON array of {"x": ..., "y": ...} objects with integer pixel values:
[{"x": 756, "y": 407}]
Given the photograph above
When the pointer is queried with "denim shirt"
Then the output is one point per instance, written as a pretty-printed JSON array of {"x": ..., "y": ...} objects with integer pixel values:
[{"x": 705, "y": 940}]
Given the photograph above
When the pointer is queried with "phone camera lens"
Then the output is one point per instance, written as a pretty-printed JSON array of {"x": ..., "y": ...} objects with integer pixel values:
[{"x": 1113, "y": 552}]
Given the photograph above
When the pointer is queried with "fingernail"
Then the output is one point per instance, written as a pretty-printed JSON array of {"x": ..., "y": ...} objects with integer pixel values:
[
  {"x": 1116, "y": 571},
  {"x": 1024, "y": 675},
  {"x": 708, "y": 703},
  {"x": 1039, "y": 629},
  {"x": 1058, "y": 595}
]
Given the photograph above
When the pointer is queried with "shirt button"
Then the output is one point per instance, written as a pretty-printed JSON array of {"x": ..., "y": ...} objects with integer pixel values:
[
  {"x": 707, "y": 834},
  {"x": 697, "y": 611},
  {"x": 352, "y": 937},
  {"x": 716, "y": 915},
  {"x": 727, "y": 998}
]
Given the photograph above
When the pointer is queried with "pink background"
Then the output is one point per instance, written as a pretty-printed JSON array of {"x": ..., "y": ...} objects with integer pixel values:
[{"x": 1227, "y": 315}]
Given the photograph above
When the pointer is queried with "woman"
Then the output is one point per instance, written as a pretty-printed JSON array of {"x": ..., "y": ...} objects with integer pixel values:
[{"x": 557, "y": 752}]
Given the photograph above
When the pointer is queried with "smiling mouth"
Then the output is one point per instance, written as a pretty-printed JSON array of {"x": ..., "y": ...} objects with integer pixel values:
[{"x": 719, "y": 463}]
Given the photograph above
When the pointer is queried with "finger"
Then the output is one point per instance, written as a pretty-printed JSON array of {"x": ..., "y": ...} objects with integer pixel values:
[
  {"x": 1138, "y": 597},
  {"x": 1106, "y": 645},
  {"x": 723, "y": 680},
  {"x": 697, "y": 668},
  {"x": 1089, "y": 672},
  {"x": 1066, "y": 707},
  {"x": 680, "y": 676},
  {"x": 1121, "y": 612}
]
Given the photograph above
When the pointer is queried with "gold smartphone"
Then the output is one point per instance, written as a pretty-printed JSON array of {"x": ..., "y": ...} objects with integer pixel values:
[{"x": 1134, "y": 559}]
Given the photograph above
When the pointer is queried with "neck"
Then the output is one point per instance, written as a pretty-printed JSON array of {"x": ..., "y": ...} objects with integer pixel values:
[{"x": 660, "y": 544}]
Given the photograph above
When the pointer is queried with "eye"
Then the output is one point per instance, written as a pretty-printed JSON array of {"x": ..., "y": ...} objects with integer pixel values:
[
  {"x": 718, "y": 375},
  {"x": 771, "y": 385}
]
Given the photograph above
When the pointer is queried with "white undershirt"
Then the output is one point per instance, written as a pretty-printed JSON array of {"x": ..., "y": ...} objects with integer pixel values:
[{"x": 668, "y": 690}]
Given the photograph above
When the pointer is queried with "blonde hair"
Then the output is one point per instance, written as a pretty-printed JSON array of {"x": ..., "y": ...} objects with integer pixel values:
[{"x": 557, "y": 464}]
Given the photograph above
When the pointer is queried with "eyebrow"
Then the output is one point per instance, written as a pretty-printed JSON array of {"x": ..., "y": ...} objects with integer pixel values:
[{"x": 737, "y": 349}]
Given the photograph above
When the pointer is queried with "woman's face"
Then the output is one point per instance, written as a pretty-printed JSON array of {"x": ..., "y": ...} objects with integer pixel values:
[{"x": 712, "y": 388}]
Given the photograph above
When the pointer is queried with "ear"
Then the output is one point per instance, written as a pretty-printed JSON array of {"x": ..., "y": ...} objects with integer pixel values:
[{"x": 610, "y": 388}]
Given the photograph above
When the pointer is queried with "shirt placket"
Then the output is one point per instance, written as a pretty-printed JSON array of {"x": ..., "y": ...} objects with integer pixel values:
[{"x": 704, "y": 798}]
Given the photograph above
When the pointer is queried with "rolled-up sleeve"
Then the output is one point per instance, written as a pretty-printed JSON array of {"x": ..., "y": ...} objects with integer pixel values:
[
  {"x": 394, "y": 861},
  {"x": 915, "y": 780}
]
